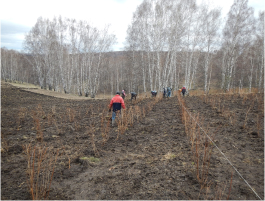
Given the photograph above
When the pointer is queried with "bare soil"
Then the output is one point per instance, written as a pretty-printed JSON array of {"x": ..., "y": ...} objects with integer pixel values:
[{"x": 152, "y": 160}]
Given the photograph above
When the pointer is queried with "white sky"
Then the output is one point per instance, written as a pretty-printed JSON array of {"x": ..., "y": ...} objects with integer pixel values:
[{"x": 19, "y": 16}]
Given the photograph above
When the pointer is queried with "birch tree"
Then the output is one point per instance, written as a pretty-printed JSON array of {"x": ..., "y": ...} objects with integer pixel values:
[
  {"x": 34, "y": 45},
  {"x": 65, "y": 51},
  {"x": 259, "y": 44},
  {"x": 236, "y": 36},
  {"x": 211, "y": 22},
  {"x": 4, "y": 63}
]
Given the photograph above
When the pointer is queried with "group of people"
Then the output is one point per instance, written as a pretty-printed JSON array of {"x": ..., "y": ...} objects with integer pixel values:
[
  {"x": 183, "y": 90},
  {"x": 133, "y": 95},
  {"x": 167, "y": 92},
  {"x": 117, "y": 102}
]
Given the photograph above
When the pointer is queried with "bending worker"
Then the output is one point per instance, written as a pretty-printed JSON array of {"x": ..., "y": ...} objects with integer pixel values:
[
  {"x": 116, "y": 102},
  {"x": 123, "y": 94},
  {"x": 183, "y": 90},
  {"x": 168, "y": 92}
]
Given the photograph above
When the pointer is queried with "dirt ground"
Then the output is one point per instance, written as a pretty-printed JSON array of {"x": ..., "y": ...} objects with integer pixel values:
[{"x": 152, "y": 160}]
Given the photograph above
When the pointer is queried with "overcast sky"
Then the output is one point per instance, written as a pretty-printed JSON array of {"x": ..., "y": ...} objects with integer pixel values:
[{"x": 19, "y": 16}]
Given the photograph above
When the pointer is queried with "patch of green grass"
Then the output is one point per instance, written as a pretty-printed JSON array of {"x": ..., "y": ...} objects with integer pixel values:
[
  {"x": 169, "y": 156},
  {"x": 91, "y": 159}
]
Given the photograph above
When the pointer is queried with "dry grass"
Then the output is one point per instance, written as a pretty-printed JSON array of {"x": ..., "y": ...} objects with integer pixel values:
[
  {"x": 24, "y": 85},
  {"x": 71, "y": 114},
  {"x": 245, "y": 122},
  {"x": 37, "y": 126},
  {"x": 21, "y": 116},
  {"x": 134, "y": 113},
  {"x": 105, "y": 127},
  {"x": 41, "y": 164},
  {"x": 202, "y": 150},
  {"x": 4, "y": 143},
  {"x": 91, "y": 133},
  {"x": 244, "y": 91}
]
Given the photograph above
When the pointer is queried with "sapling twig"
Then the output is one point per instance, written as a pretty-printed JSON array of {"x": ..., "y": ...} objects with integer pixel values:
[
  {"x": 39, "y": 170},
  {"x": 245, "y": 122},
  {"x": 92, "y": 137},
  {"x": 258, "y": 124},
  {"x": 230, "y": 185}
]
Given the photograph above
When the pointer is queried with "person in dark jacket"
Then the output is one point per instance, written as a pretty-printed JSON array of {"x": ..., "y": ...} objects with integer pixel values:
[
  {"x": 133, "y": 95},
  {"x": 164, "y": 92},
  {"x": 154, "y": 93},
  {"x": 168, "y": 92},
  {"x": 116, "y": 103},
  {"x": 183, "y": 90}
]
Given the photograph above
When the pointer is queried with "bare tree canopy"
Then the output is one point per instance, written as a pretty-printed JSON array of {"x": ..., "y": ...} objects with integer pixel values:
[{"x": 171, "y": 43}]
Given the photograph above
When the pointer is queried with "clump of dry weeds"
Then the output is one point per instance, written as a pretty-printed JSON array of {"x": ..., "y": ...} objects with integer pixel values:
[{"x": 40, "y": 170}]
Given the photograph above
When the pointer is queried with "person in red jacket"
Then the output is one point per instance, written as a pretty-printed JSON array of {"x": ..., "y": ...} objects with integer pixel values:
[
  {"x": 116, "y": 103},
  {"x": 123, "y": 94},
  {"x": 183, "y": 90}
]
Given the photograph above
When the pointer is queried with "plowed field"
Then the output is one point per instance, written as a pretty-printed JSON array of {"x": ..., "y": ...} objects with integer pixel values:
[{"x": 152, "y": 158}]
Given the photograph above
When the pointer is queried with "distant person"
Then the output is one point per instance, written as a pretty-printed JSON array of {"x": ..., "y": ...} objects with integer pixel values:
[
  {"x": 169, "y": 92},
  {"x": 123, "y": 94},
  {"x": 164, "y": 92},
  {"x": 183, "y": 90},
  {"x": 116, "y": 103},
  {"x": 154, "y": 93},
  {"x": 133, "y": 95}
]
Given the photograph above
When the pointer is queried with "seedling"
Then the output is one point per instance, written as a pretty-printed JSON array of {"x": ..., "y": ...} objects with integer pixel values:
[
  {"x": 91, "y": 133},
  {"x": 41, "y": 165},
  {"x": 245, "y": 122},
  {"x": 21, "y": 116},
  {"x": 37, "y": 126}
]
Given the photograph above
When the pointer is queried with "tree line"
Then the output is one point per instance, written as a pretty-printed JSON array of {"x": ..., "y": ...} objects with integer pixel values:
[{"x": 169, "y": 43}]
